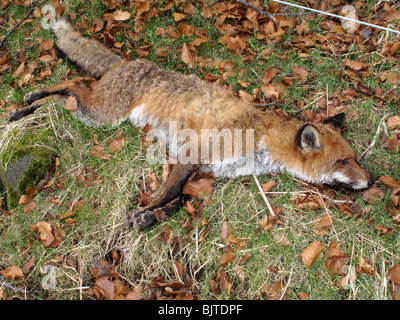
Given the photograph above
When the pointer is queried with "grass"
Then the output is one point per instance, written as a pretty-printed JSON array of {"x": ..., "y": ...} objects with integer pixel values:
[{"x": 99, "y": 227}]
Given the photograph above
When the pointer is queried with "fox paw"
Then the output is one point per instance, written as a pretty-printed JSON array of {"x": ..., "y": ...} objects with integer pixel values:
[
  {"x": 13, "y": 115},
  {"x": 30, "y": 98},
  {"x": 142, "y": 218}
]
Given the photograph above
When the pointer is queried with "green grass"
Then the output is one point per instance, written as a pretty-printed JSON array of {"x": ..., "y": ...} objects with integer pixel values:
[{"x": 99, "y": 227}]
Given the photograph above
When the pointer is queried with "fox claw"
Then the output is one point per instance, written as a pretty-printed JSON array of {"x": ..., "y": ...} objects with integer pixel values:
[
  {"x": 13, "y": 116},
  {"x": 139, "y": 219}
]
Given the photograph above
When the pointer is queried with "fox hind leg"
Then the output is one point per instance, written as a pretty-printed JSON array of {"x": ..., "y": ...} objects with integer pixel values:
[
  {"x": 74, "y": 88},
  {"x": 167, "y": 203}
]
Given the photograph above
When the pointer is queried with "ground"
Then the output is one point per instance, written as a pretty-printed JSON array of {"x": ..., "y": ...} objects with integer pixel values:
[{"x": 69, "y": 241}]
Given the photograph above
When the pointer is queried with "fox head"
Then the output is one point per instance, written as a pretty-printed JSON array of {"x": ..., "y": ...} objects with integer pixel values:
[{"x": 327, "y": 157}]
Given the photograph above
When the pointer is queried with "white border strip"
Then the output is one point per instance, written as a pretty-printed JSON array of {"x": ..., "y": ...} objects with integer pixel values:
[{"x": 337, "y": 16}]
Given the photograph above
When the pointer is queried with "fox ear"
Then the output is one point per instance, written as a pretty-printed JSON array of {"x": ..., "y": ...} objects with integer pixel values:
[
  {"x": 336, "y": 121},
  {"x": 307, "y": 138}
]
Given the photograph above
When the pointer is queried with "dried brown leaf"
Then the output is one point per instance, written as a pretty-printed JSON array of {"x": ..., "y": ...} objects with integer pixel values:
[
  {"x": 197, "y": 188},
  {"x": 71, "y": 104},
  {"x": 13, "y": 272},
  {"x": 389, "y": 182},
  {"x": 355, "y": 65},
  {"x": 187, "y": 57},
  {"x": 311, "y": 253},
  {"x": 266, "y": 187},
  {"x": 394, "y": 274}
]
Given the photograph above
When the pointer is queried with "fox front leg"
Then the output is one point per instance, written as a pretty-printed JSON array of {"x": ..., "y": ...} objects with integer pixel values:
[{"x": 167, "y": 203}]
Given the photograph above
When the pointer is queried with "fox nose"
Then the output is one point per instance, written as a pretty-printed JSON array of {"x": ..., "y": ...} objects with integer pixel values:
[{"x": 370, "y": 182}]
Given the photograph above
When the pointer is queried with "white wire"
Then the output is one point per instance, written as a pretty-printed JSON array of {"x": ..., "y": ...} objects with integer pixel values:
[{"x": 337, "y": 16}]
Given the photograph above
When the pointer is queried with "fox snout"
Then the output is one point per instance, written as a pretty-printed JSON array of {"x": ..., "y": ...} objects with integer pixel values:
[{"x": 350, "y": 175}]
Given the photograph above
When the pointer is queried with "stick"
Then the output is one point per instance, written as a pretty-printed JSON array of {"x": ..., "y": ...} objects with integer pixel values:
[
  {"x": 271, "y": 211},
  {"x": 15, "y": 289},
  {"x": 264, "y": 13},
  {"x": 368, "y": 151},
  {"x": 20, "y": 22}
]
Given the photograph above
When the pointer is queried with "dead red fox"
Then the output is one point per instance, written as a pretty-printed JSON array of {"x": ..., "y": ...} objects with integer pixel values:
[{"x": 263, "y": 143}]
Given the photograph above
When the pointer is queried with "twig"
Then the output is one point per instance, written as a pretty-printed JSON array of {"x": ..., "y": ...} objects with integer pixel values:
[
  {"x": 20, "y": 22},
  {"x": 271, "y": 211},
  {"x": 263, "y": 13},
  {"x": 15, "y": 289},
  {"x": 367, "y": 151}
]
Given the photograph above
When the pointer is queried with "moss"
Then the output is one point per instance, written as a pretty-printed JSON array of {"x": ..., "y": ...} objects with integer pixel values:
[{"x": 37, "y": 144}]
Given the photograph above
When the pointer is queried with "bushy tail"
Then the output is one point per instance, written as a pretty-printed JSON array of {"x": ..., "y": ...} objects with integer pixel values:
[{"x": 89, "y": 54}]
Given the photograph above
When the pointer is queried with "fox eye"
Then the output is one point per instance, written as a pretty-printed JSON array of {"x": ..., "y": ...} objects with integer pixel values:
[{"x": 343, "y": 161}]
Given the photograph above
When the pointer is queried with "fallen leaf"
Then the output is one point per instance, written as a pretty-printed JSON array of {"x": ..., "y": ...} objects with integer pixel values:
[
  {"x": 190, "y": 208},
  {"x": 153, "y": 182},
  {"x": 179, "y": 16},
  {"x": 373, "y": 195},
  {"x": 136, "y": 294},
  {"x": 323, "y": 223},
  {"x": 28, "y": 265},
  {"x": 225, "y": 231},
  {"x": 97, "y": 151},
  {"x": 389, "y": 182},
  {"x": 270, "y": 91},
  {"x": 166, "y": 234},
  {"x": 71, "y": 104},
  {"x": 281, "y": 239},
  {"x": 365, "y": 266},
  {"x": 120, "y": 15},
  {"x": 311, "y": 253},
  {"x": 275, "y": 291},
  {"x": 49, "y": 238},
  {"x": 355, "y": 65},
  {"x": 19, "y": 70},
  {"x": 268, "y": 75},
  {"x": 187, "y": 57},
  {"x": 266, "y": 187},
  {"x": 227, "y": 257},
  {"x": 336, "y": 259},
  {"x": 13, "y": 272},
  {"x": 197, "y": 188},
  {"x": 106, "y": 287},
  {"x": 300, "y": 72},
  {"x": 394, "y": 274},
  {"x": 116, "y": 144},
  {"x": 393, "y": 123},
  {"x": 303, "y": 295}
]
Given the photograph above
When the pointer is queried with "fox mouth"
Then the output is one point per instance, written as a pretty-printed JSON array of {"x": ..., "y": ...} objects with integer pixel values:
[{"x": 350, "y": 186}]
